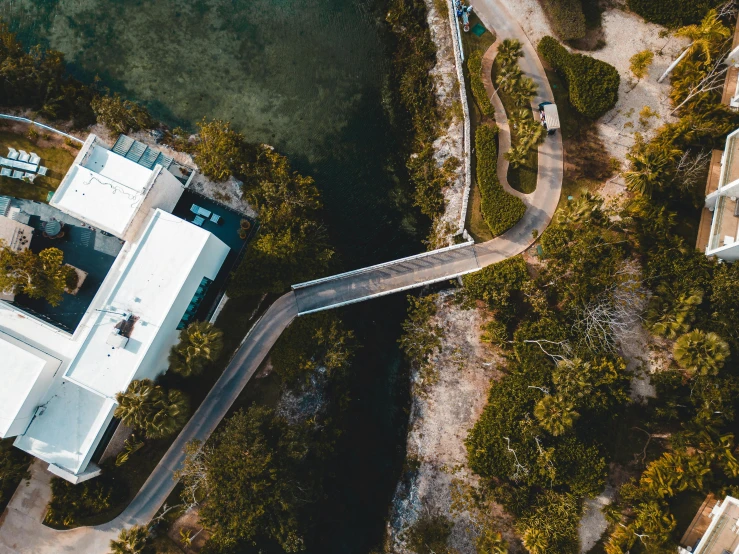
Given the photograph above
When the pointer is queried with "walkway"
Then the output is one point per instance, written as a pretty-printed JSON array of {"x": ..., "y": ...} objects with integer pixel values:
[{"x": 21, "y": 533}]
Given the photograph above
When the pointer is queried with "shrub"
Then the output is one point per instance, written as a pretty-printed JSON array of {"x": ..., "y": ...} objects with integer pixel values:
[
  {"x": 70, "y": 504},
  {"x": 673, "y": 13},
  {"x": 500, "y": 210},
  {"x": 120, "y": 116},
  {"x": 593, "y": 84},
  {"x": 474, "y": 65},
  {"x": 566, "y": 17}
]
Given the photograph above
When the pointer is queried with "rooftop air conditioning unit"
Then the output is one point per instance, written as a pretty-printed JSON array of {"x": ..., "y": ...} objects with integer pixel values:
[{"x": 116, "y": 340}]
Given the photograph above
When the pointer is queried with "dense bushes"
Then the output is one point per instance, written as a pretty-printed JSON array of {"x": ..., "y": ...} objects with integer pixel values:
[
  {"x": 70, "y": 504},
  {"x": 673, "y": 13},
  {"x": 13, "y": 469},
  {"x": 121, "y": 116},
  {"x": 593, "y": 84},
  {"x": 567, "y": 18},
  {"x": 500, "y": 209},
  {"x": 415, "y": 56},
  {"x": 474, "y": 66}
]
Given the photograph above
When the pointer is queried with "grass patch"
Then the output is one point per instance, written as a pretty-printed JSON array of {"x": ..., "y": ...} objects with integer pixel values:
[
  {"x": 523, "y": 177},
  {"x": 476, "y": 225},
  {"x": 55, "y": 157},
  {"x": 471, "y": 42}
]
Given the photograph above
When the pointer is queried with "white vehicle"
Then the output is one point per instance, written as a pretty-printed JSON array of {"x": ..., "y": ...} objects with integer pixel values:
[{"x": 549, "y": 117}]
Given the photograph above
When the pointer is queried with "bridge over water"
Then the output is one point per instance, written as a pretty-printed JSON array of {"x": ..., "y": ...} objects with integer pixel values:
[{"x": 321, "y": 294}]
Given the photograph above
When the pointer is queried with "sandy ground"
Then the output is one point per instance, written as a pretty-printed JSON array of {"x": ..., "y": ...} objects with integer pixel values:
[
  {"x": 625, "y": 34},
  {"x": 439, "y": 423},
  {"x": 450, "y": 138}
]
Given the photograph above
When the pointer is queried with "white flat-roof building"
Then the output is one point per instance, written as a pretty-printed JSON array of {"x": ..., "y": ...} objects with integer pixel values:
[
  {"x": 722, "y": 534},
  {"x": 721, "y": 201},
  {"x": 109, "y": 191},
  {"x": 58, "y": 394}
]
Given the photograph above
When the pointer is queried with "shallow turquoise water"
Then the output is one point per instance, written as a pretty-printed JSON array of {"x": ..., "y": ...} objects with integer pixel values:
[{"x": 309, "y": 77}]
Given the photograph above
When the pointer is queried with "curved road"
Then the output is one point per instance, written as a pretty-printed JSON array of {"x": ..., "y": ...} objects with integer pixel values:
[{"x": 21, "y": 530}]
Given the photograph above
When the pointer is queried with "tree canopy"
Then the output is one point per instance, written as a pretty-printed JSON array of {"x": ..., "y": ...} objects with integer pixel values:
[{"x": 41, "y": 275}]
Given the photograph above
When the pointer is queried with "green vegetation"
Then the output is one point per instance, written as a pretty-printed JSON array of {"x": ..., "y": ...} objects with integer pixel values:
[
  {"x": 134, "y": 540},
  {"x": 70, "y": 503},
  {"x": 414, "y": 56},
  {"x": 38, "y": 80},
  {"x": 119, "y": 115},
  {"x": 309, "y": 343},
  {"x": 500, "y": 209},
  {"x": 567, "y": 18},
  {"x": 474, "y": 66},
  {"x": 149, "y": 408},
  {"x": 13, "y": 469},
  {"x": 429, "y": 535},
  {"x": 421, "y": 338},
  {"x": 41, "y": 275},
  {"x": 200, "y": 343},
  {"x": 673, "y": 13},
  {"x": 516, "y": 92},
  {"x": 639, "y": 63},
  {"x": 593, "y": 84}
]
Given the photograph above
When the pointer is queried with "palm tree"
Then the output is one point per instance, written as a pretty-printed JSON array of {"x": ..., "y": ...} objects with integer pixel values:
[
  {"x": 705, "y": 36},
  {"x": 670, "y": 314},
  {"x": 509, "y": 51},
  {"x": 147, "y": 407},
  {"x": 648, "y": 167},
  {"x": 199, "y": 343},
  {"x": 524, "y": 90},
  {"x": 131, "y": 541},
  {"x": 135, "y": 405},
  {"x": 169, "y": 416},
  {"x": 535, "y": 540},
  {"x": 698, "y": 352},
  {"x": 556, "y": 414},
  {"x": 507, "y": 77}
]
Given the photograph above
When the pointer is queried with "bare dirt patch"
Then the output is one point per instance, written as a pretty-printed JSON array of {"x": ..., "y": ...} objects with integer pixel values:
[{"x": 440, "y": 420}]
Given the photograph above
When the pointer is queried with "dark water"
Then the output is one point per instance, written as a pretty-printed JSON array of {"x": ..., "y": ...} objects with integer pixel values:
[{"x": 310, "y": 77}]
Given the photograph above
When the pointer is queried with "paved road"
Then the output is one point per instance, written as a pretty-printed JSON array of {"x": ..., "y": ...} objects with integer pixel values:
[{"x": 21, "y": 531}]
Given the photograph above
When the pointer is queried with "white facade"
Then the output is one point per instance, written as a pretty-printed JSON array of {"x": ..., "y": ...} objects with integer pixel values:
[
  {"x": 58, "y": 393},
  {"x": 724, "y": 235},
  {"x": 722, "y": 535}
]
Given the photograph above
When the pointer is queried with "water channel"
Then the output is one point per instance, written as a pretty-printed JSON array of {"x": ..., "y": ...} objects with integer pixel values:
[{"x": 310, "y": 77}]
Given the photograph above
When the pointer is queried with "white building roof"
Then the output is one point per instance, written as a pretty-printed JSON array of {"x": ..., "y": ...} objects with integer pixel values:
[
  {"x": 26, "y": 374},
  {"x": 157, "y": 274},
  {"x": 103, "y": 189},
  {"x": 68, "y": 426}
]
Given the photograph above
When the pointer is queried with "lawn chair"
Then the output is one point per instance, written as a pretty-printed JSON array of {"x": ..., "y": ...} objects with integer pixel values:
[
  {"x": 12, "y": 154},
  {"x": 34, "y": 159},
  {"x": 195, "y": 209},
  {"x": 29, "y": 177},
  {"x": 24, "y": 157},
  {"x": 215, "y": 218},
  {"x": 198, "y": 221},
  {"x": 42, "y": 170},
  {"x": 6, "y": 172},
  {"x": 17, "y": 174}
]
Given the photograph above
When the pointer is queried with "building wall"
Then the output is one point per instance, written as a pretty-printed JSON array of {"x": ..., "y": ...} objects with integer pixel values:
[{"x": 164, "y": 193}]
